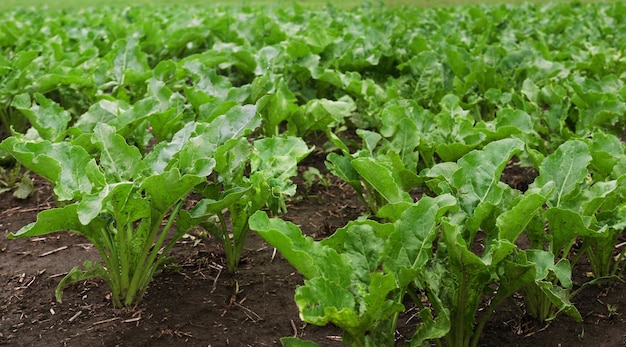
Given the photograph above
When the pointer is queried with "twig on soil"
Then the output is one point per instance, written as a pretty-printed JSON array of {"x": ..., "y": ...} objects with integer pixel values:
[
  {"x": 73, "y": 318},
  {"x": 32, "y": 280},
  {"x": 295, "y": 330},
  {"x": 18, "y": 209},
  {"x": 246, "y": 310},
  {"x": 537, "y": 331},
  {"x": 219, "y": 272},
  {"x": 53, "y": 251},
  {"x": 131, "y": 320},
  {"x": 57, "y": 275},
  {"x": 85, "y": 246},
  {"x": 106, "y": 321}
]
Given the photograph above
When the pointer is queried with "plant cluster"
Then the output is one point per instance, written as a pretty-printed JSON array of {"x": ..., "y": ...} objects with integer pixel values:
[{"x": 130, "y": 112}]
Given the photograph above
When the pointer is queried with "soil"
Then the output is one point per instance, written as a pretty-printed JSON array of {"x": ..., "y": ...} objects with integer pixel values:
[{"x": 196, "y": 302}]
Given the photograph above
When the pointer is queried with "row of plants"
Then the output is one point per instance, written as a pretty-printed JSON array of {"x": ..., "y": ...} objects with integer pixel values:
[{"x": 130, "y": 112}]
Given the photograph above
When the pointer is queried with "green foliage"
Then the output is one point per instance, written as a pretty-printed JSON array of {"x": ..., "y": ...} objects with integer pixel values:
[
  {"x": 118, "y": 203},
  {"x": 128, "y": 111}
]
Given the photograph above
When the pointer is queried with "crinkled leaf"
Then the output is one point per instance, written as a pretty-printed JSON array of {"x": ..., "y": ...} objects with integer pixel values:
[
  {"x": 381, "y": 178},
  {"x": 341, "y": 166},
  {"x": 478, "y": 179},
  {"x": 45, "y": 115},
  {"x": 512, "y": 222},
  {"x": 165, "y": 189},
  {"x": 566, "y": 226},
  {"x": 322, "y": 301},
  {"x": 311, "y": 259},
  {"x": 362, "y": 242},
  {"x": 320, "y": 114},
  {"x": 278, "y": 157},
  {"x": 70, "y": 168},
  {"x": 409, "y": 248},
  {"x": 118, "y": 160},
  {"x": 567, "y": 168}
]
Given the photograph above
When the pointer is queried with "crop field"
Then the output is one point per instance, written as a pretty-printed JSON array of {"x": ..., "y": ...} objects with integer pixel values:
[{"x": 262, "y": 175}]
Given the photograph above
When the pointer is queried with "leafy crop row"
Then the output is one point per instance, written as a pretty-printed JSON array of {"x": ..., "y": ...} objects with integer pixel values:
[{"x": 129, "y": 112}]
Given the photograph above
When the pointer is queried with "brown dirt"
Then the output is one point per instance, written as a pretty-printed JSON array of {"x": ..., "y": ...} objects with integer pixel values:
[{"x": 197, "y": 303}]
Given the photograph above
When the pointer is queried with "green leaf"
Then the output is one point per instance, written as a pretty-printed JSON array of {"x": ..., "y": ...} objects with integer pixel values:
[
  {"x": 165, "y": 189},
  {"x": 409, "y": 248},
  {"x": 341, "y": 166},
  {"x": 50, "y": 221},
  {"x": 360, "y": 242},
  {"x": 118, "y": 160},
  {"x": 75, "y": 275},
  {"x": 512, "y": 222},
  {"x": 209, "y": 207},
  {"x": 45, "y": 115},
  {"x": 380, "y": 177},
  {"x": 24, "y": 187},
  {"x": 321, "y": 301},
  {"x": 478, "y": 179},
  {"x": 70, "y": 168},
  {"x": 91, "y": 205},
  {"x": 311, "y": 259},
  {"x": 567, "y": 168},
  {"x": 296, "y": 342},
  {"x": 278, "y": 157},
  {"x": 566, "y": 226},
  {"x": 320, "y": 114}
]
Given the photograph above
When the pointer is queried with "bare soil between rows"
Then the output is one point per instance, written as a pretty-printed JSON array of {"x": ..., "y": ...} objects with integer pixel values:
[{"x": 196, "y": 302}]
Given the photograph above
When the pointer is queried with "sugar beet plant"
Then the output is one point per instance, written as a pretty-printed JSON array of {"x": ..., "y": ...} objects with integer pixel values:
[
  {"x": 389, "y": 262},
  {"x": 128, "y": 204},
  {"x": 455, "y": 249}
]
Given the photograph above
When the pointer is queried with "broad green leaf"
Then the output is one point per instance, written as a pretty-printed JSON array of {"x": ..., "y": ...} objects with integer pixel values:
[
  {"x": 161, "y": 155},
  {"x": 409, "y": 248},
  {"x": 360, "y": 242},
  {"x": 118, "y": 160},
  {"x": 238, "y": 121},
  {"x": 165, "y": 189},
  {"x": 322, "y": 301},
  {"x": 91, "y": 205},
  {"x": 513, "y": 221},
  {"x": 380, "y": 177},
  {"x": 45, "y": 115},
  {"x": 50, "y": 221},
  {"x": 561, "y": 299},
  {"x": 606, "y": 151},
  {"x": 567, "y": 168},
  {"x": 104, "y": 111},
  {"x": 70, "y": 168},
  {"x": 278, "y": 156},
  {"x": 128, "y": 63},
  {"x": 478, "y": 179},
  {"x": 231, "y": 158},
  {"x": 310, "y": 258},
  {"x": 370, "y": 140},
  {"x": 341, "y": 166},
  {"x": 209, "y": 207},
  {"x": 566, "y": 226},
  {"x": 403, "y": 135},
  {"x": 320, "y": 114}
]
